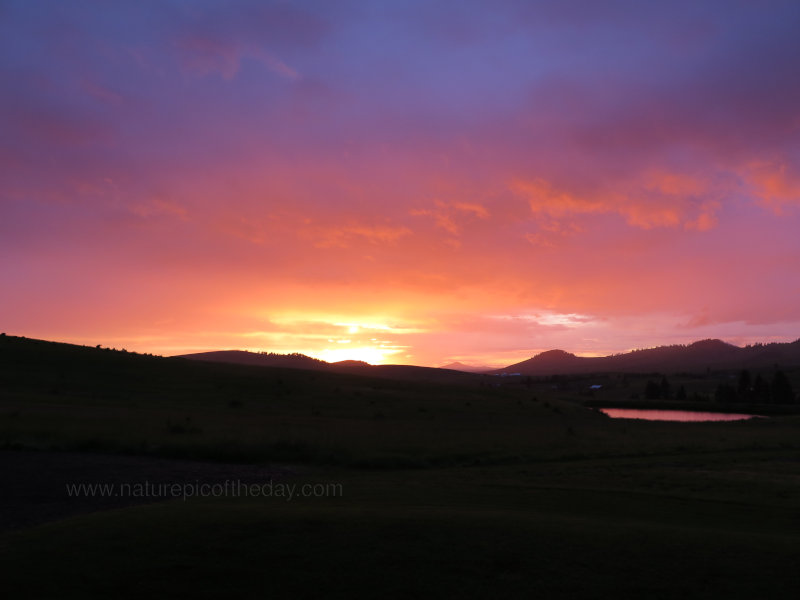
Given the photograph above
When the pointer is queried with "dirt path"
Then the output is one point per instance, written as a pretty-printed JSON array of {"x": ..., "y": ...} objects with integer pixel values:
[{"x": 34, "y": 485}]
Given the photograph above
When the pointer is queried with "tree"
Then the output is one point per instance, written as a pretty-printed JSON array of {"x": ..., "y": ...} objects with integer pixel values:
[
  {"x": 743, "y": 387},
  {"x": 666, "y": 388},
  {"x": 761, "y": 392},
  {"x": 681, "y": 395},
  {"x": 782, "y": 392}
]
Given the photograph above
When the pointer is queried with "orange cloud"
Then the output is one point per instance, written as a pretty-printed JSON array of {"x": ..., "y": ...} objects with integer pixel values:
[
  {"x": 452, "y": 216},
  {"x": 775, "y": 185},
  {"x": 543, "y": 197},
  {"x": 653, "y": 199},
  {"x": 441, "y": 219}
]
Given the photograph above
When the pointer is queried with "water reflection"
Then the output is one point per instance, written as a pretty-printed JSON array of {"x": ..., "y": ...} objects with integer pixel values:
[{"x": 649, "y": 414}]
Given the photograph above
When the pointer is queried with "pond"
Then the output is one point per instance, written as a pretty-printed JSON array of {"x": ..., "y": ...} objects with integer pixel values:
[{"x": 650, "y": 414}]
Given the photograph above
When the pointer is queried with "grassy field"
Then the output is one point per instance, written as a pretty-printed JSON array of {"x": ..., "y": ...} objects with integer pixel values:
[{"x": 463, "y": 489}]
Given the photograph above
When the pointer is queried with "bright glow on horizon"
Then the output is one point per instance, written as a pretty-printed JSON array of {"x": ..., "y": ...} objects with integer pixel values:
[{"x": 370, "y": 354}]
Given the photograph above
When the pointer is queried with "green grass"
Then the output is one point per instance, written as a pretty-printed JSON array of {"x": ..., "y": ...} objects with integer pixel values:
[
  {"x": 460, "y": 490},
  {"x": 474, "y": 533}
]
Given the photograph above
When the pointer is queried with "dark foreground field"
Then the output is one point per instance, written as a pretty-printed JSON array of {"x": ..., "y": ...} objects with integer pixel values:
[{"x": 459, "y": 489}]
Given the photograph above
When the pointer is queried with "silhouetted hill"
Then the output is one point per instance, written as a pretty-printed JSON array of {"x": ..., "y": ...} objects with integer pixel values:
[
  {"x": 459, "y": 366},
  {"x": 353, "y": 367},
  {"x": 696, "y": 357},
  {"x": 349, "y": 364},
  {"x": 260, "y": 359},
  {"x": 406, "y": 373}
]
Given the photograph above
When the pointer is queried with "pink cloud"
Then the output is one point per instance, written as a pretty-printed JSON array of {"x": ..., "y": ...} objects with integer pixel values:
[
  {"x": 775, "y": 185},
  {"x": 652, "y": 199}
]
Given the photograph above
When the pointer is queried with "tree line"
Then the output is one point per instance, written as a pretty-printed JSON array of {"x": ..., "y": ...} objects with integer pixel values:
[{"x": 756, "y": 389}]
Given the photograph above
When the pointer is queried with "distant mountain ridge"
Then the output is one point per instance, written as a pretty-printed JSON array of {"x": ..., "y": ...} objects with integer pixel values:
[
  {"x": 353, "y": 367},
  {"x": 459, "y": 366},
  {"x": 696, "y": 357}
]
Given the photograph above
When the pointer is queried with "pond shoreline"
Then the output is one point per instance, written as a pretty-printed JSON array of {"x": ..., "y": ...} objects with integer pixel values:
[
  {"x": 676, "y": 416},
  {"x": 714, "y": 407}
]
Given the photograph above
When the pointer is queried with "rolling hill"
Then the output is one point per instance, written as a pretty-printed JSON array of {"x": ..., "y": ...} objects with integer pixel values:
[
  {"x": 459, "y": 366},
  {"x": 352, "y": 367},
  {"x": 696, "y": 357}
]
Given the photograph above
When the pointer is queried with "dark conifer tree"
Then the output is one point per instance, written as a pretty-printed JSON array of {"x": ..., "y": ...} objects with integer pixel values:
[
  {"x": 761, "y": 392},
  {"x": 666, "y": 388},
  {"x": 745, "y": 383},
  {"x": 782, "y": 392}
]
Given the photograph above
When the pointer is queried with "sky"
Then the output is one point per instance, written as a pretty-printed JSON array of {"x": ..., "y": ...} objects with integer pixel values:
[{"x": 410, "y": 182}]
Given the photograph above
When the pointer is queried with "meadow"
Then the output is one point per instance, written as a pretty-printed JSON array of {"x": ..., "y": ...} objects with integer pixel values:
[{"x": 477, "y": 487}]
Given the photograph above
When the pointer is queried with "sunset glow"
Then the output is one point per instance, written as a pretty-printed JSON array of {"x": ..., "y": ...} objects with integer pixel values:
[{"x": 400, "y": 182}]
